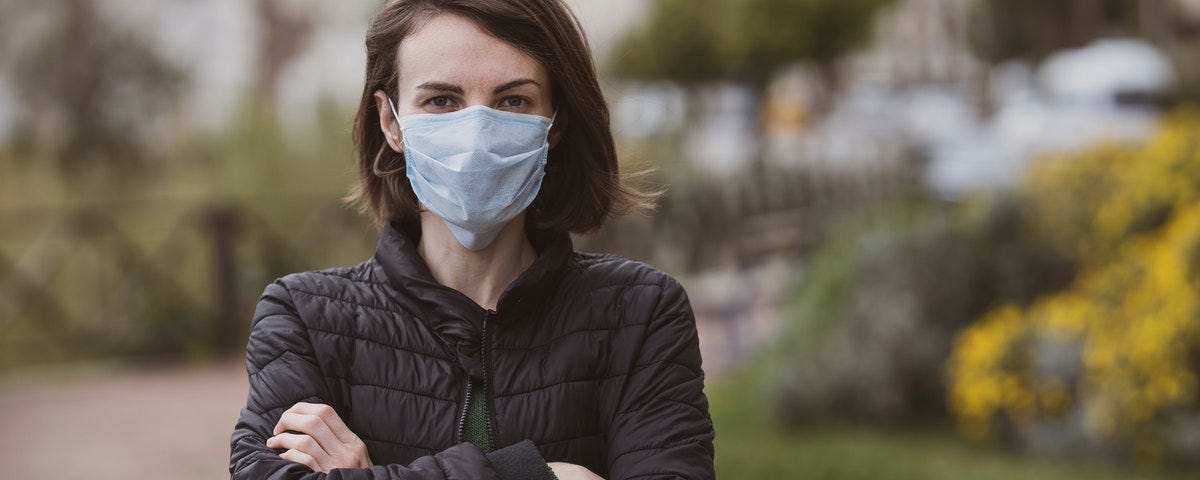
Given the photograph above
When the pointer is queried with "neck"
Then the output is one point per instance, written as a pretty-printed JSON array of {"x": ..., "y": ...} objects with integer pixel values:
[{"x": 480, "y": 275}]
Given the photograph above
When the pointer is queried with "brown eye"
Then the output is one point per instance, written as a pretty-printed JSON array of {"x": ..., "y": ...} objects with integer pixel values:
[
  {"x": 513, "y": 102},
  {"x": 440, "y": 101}
]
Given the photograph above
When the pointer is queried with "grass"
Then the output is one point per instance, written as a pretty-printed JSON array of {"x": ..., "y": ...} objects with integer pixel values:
[{"x": 748, "y": 446}]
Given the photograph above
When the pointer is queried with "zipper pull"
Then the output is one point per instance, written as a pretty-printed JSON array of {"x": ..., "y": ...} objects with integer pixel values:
[{"x": 487, "y": 315}]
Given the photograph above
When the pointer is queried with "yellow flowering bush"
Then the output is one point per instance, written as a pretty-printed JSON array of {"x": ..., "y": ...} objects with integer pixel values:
[
  {"x": 1111, "y": 364},
  {"x": 1094, "y": 201}
]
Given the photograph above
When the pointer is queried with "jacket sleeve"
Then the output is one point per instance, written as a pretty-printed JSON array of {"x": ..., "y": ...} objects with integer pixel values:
[
  {"x": 662, "y": 428},
  {"x": 283, "y": 370}
]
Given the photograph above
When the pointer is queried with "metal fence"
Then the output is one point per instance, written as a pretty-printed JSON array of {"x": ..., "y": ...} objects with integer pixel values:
[{"x": 156, "y": 278}]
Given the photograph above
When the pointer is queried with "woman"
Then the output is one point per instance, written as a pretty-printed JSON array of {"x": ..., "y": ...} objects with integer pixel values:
[{"x": 476, "y": 343}]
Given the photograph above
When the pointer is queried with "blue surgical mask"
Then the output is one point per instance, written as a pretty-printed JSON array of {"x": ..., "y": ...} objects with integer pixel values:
[{"x": 476, "y": 168}]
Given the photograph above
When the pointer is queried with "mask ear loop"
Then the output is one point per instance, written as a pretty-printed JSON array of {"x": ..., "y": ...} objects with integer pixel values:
[
  {"x": 384, "y": 149},
  {"x": 553, "y": 117}
]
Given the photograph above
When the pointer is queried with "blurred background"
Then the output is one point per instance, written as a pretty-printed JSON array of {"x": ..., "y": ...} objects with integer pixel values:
[{"x": 924, "y": 239}]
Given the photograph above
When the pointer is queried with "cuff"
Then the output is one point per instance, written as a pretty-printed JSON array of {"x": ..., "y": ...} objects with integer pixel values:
[{"x": 520, "y": 460}]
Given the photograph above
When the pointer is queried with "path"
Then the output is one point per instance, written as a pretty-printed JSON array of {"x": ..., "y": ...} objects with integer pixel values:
[{"x": 120, "y": 423}]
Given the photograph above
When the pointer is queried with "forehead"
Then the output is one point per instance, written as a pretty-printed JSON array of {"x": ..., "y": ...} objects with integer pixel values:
[{"x": 452, "y": 49}]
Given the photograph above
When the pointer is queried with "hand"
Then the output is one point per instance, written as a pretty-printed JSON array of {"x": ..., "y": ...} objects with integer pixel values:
[
  {"x": 571, "y": 471},
  {"x": 323, "y": 441}
]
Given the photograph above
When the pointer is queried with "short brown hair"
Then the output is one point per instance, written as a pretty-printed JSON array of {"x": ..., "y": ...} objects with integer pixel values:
[{"x": 582, "y": 187}]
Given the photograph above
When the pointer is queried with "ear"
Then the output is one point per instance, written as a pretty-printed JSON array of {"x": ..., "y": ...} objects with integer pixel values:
[
  {"x": 556, "y": 130},
  {"x": 387, "y": 122}
]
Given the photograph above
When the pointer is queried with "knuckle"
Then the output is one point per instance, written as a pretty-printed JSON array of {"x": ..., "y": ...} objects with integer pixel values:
[
  {"x": 308, "y": 443},
  {"x": 324, "y": 410}
]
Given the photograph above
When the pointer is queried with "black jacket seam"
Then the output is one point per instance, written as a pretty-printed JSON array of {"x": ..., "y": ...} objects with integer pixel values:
[
  {"x": 588, "y": 379},
  {"x": 680, "y": 443},
  {"x": 643, "y": 405},
  {"x": 555, "y": 309},
  {"x": 402, "y": 444},
  {"x": 246, "y": 463},
  {"x": 558, "y": 383},
  {"x": 565, "y": 335},
  {"x": 696, "y": 374},
  {"x": 264, "y": 411},
  {"x": 564, "y": 440},
  {"x": 352, "y": 302},
  {"x": 268, "y": 363},
  {"x": 598, "y": 329},
  {"x": 650, "y": 474},
  {"x": 386, "y": 344},
  {"x": 348, "y": 278},
  {"x": 303, "y": 325},
  {"x": 351, "y": 382}
]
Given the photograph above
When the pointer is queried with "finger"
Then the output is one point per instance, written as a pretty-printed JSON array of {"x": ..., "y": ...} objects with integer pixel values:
[
  {"x": 279, "y": 428},
  {"x": 301, "y": 457},
  {"x": 331, "y": 418},
  {"x": 313, "y": 426},
  {"x": 325, "y": 412},
  {"x": 307, "y": 424},
  {"x": 299, "y": 442}
]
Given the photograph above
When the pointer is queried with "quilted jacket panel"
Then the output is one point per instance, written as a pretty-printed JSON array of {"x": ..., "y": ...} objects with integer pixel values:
[{"x": 592, "y": 357}]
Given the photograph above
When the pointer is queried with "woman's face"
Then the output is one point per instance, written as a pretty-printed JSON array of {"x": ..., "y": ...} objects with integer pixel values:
[{"x": 449, "y": 63}]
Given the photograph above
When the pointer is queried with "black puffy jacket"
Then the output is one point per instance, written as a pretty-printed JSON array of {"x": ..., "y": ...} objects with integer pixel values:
[{"x": 593, "y": 357}]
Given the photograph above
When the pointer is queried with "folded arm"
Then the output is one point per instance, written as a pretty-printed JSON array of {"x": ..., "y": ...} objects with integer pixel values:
[{"x": 283, "y": 371}]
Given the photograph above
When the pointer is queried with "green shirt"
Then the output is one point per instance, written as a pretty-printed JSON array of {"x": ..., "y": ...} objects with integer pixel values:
[
  {"x": 476, "y": 427},
  {"x": 476, "y": 430}
]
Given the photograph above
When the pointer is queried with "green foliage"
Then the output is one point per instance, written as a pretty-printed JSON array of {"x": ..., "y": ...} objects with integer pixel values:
[
  {"x": 92, "y": 91},
  {"x": 876, "y": 313},
  {"x": 748, "y": 40},
  {"x": 134, "y": 273},
  {"x": 759, "y": 37},
  {"x": 678, "y": 42}
]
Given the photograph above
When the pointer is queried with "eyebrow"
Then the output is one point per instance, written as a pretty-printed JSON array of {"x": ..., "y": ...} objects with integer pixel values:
[
  {"x": 515, "y": 84},
  {"x": 447, "y": 87},
  {"x": 441, "y": 87}
]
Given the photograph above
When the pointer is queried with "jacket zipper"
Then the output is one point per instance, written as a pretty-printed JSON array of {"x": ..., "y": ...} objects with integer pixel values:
[
  {"x": 462, "y": 418},
  {"x": 487, "y": 375}
]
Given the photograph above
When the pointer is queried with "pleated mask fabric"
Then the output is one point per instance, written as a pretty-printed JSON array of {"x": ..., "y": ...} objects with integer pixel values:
[{"x": 476, "y": 168}]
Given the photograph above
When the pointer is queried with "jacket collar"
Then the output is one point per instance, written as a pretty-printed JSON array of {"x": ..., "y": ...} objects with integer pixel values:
[{"x": 407, "y": 271}]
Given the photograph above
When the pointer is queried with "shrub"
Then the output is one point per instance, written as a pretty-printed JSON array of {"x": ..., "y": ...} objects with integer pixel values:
[
  {"x": 1108, "y": 366},
  {"x": 876, "y": 314}
]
